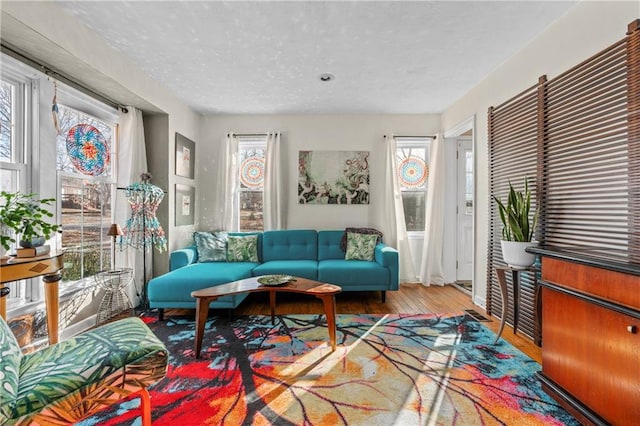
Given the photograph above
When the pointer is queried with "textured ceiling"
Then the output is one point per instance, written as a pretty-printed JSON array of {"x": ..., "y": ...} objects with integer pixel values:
[{"x": 265, "y": 57}]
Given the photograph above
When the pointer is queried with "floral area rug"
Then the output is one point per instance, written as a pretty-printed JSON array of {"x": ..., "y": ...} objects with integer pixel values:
[{"x": 387, "y": 370}]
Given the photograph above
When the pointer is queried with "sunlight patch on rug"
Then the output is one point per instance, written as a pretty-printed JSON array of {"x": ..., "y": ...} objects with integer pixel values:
[{"x": 387, "y": 370}]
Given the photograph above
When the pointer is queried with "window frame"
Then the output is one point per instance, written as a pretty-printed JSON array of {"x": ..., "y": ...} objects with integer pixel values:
[
  {"x": 24, "y": 107},
  {"x": 419, "y": 143}
]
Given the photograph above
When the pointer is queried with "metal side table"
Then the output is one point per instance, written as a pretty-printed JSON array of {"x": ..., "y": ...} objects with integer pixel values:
[
  {"x": 115, "y": 300},
  {"x": 515, "y": 279}
]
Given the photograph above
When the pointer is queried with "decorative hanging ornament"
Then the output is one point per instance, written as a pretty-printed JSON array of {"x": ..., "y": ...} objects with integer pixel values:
[
  {"x": 252, "y": 172},
  {"x": 54, "y": 109},
  {"x": 413, "y": 172},
  {"x": 88, "y": 149}
]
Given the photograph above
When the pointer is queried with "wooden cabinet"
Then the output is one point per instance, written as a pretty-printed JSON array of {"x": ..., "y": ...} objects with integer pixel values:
[{"x": 591, "y": 337}]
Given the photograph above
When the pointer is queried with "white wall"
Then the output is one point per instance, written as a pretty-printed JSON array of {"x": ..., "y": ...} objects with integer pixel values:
[
  {"x": 309, "y": 132},
  {"x": 586, "y": 29}
]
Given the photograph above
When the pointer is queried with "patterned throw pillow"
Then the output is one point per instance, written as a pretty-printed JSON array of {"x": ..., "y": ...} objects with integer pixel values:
[
  {"x": 343, "y": 240},
  {"x": 360, "y": 246},
  {"x": 242, "y": 249},
  {"x": 212, "y": 247}
]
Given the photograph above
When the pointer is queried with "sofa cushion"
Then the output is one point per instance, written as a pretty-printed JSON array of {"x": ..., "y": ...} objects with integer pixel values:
[
  {"x": 329, "y": 245},
  {"x": 354, "y": 274},
  {"x": 360, "y": 246},
  {"x": 177, "y": 285},
  {"x": 212, "y": 247},
  {"x": 297, "y": 244},
  {"x": 297, "y": 268},
  {"x": 242, "y": 249},
  {"x": 10, "y": 355}
]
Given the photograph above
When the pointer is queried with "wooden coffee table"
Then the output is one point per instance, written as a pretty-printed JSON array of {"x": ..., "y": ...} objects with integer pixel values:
[{"x": 323, "y": 291}]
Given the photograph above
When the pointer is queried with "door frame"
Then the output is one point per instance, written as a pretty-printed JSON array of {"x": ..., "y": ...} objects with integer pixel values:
[{"x": 450, "y": 136}]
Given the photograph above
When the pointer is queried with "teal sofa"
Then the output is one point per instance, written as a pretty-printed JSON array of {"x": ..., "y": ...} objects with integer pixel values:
[{"x": 304, "y": 253}]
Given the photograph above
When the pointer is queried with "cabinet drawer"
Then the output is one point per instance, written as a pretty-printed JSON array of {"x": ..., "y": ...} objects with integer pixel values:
[
  {"x": 593, "y": 353},
  {"x": 610, "y": 285}
]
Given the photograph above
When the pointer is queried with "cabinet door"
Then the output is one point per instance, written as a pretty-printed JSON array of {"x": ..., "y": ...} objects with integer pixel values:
[{"x": 594, "y": 354}]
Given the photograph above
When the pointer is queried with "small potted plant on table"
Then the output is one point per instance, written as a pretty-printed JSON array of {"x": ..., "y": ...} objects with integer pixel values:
[
  {"x": 24, "y": 218},
  {"x": 518, "y": 227}
]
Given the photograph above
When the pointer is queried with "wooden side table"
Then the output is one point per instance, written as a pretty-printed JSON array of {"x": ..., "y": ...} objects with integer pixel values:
[
  {"x": 504, "y": 295},
  {"x": 48, "y": 267}
]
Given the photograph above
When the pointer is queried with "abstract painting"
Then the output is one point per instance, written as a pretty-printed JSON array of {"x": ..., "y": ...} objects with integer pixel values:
[{"x": 333, "y": 177}]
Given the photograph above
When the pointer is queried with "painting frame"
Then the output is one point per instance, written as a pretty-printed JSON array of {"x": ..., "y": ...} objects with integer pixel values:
[
  {"x": 333, "y": 177},
  {"x": 184, "y": 209},
  {"x": 185, "y": 156}
]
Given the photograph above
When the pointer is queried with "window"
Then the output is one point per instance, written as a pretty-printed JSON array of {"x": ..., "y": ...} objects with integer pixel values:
[
  {"x": 251, "y": 173},
  {"x": 413, "y": 170},
  {"x": 14, "y": 92},
  {"x": 13, "y": 125},
  {"x": 86, "y": 185}
]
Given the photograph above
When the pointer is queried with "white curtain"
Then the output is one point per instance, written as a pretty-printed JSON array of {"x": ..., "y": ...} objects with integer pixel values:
[
  {"x": 227, "y": 204},
  {"x": 132, "y": 162},
  {"x": 395, "y": 229},
  {"x": 431, "y": 268},
  {"x": 274, "y": 217}
]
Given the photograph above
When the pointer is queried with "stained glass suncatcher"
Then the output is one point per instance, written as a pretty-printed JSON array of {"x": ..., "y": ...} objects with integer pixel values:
[
  {"x": 88, "y": 149},
  {"x": 252, "y": 172},
  {"x": 413, "y": 172}
]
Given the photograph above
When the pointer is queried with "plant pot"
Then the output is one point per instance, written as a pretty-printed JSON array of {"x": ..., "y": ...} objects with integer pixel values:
[
  {"x": 514, "y": 254},
  {"x": 34, "y": 242}
]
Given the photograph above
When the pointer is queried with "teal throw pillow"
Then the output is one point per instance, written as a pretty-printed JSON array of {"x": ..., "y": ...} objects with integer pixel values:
[
  {"x": 242, "y": 249},
  {"x": 360, "y": 246},
  {"x": 212, "y": 247}
]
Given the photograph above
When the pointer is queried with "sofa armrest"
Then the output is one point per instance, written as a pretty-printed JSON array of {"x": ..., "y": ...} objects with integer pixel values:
[
  {"x": 183, "y": 257},
  {"x": 387, "y": 256}
]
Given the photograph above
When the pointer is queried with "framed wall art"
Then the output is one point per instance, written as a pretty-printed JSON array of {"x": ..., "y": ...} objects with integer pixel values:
[
  {"x": 185, "y": 204},
  {"x": 333, "y": 177},
  {"x": 185, "y": 156}
]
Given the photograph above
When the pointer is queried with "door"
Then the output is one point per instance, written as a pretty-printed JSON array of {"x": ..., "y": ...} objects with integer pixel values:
[{"x": 464, "y": 209}]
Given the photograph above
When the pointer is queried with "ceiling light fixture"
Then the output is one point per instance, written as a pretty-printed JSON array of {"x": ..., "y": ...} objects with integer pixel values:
[{"x": 326, "y": 76}]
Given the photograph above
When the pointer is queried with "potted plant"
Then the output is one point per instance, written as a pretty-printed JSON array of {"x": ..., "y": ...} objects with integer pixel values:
[
  {"x": 24, "y": 217},
  {"x": 518, "y": 227}
]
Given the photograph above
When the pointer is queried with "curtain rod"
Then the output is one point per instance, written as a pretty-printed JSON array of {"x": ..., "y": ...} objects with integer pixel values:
[
  {"x": 250, "y": 134},
  {"x": 50, "y": 72},
  {"x": 414, "y": 137}
]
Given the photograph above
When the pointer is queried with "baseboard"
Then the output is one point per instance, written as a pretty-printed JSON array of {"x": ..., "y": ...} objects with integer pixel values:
[
  {"x": 480, "y": 301},
  {"x": 78, "y": 327}
]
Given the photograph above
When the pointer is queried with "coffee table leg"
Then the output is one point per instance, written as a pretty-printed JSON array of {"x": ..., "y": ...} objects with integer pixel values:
[
  {"x": 272, "y": 305},
  {"x": 202, "y": 310},
  {"x": 329, "y": 302}
]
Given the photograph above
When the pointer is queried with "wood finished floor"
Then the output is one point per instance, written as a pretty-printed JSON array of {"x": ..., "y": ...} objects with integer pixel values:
[{"x": 410, "y": 299}]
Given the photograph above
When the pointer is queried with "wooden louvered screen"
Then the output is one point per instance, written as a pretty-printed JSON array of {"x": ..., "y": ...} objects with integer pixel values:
[
  {"x": 585, "y": 153},
  {"x": 512, "y": 157},
  {"x": 577, "y": 137}
]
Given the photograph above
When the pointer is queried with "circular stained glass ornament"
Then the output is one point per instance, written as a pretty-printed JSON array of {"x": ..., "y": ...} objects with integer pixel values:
[
  {"x": 413, "y": 172},
  {"x": 252, "y": 172},
  {"x": 88, "y": 149}
]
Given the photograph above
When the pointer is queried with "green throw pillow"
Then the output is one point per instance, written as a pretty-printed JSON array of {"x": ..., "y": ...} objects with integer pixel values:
[
  {"x": 242, "y": 249},
  {"x": 360, "y": 246},
  {"x": 212, "y": 247}
]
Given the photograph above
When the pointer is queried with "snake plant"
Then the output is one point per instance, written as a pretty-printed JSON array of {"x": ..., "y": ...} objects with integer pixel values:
[{"x": 514, "y": 214}]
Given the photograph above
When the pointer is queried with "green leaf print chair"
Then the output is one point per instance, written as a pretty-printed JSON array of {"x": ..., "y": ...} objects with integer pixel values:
[{"x": 70, "y": 380}]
